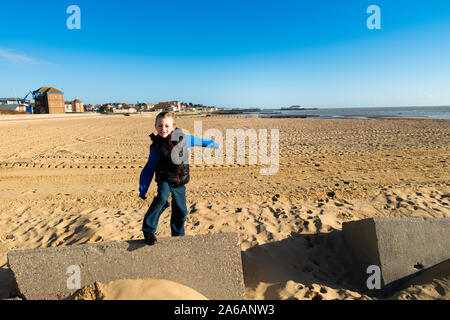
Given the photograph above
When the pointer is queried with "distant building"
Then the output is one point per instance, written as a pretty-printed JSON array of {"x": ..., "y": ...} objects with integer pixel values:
[
  {"x": 15, "y": 104},
  {"x": 48, "y": 100},
  {"x": 125, "y": 110},
  {"x": 90, "y": 107},
  {"x": 173, "y": 108},
  {"x": 168, "y": 106},
  {"x": 68, "y": 106},
  {"x": 116, "y": 105},
  {"x": 13, "y": 101},
  {"x": 144, "y": 106},
  {"x": 74, "y": 106}
]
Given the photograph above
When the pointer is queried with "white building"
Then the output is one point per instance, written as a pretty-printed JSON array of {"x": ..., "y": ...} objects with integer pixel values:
[
  {"x": 173, "y": 108},
  {"x": 14, "y": 104}
]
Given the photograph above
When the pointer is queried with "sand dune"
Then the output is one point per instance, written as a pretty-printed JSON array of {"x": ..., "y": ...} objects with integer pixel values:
[
  {"x": 138, "y": 289},
  {"x": 72, "y": 181}
]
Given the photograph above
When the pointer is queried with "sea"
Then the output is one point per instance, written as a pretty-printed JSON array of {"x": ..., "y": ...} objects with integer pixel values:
[{"x": 442, "y": 112}]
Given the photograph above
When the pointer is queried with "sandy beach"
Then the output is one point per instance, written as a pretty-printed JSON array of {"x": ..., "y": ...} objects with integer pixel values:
[{"x": 67, "y": 181}]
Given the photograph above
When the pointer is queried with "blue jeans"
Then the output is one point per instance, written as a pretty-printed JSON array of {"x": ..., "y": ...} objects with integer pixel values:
[{"x": 160, "y": 203}]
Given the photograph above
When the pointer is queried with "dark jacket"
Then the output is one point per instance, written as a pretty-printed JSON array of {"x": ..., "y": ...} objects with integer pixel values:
[
  {"x": 173, "y": 166},
  {"x": 154, "y": 157}
]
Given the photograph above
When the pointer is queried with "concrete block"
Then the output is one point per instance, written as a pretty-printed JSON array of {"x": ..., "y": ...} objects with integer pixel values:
[
  {"x": 401, "y": 247},
  {"x": 210, "y": 264}
]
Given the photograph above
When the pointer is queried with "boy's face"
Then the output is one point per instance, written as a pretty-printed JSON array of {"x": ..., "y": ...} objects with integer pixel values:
[{"x": 164, "y": 126}]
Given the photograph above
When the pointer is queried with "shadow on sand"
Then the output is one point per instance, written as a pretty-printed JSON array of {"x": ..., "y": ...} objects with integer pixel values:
[
  {"x": 135, "y": 245},
  {"x": 320, "y": 259},
  {"x": 6, "y": 281}
]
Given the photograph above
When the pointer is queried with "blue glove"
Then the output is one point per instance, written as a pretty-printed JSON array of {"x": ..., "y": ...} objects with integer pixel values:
[{"x": 142, "y": 196}]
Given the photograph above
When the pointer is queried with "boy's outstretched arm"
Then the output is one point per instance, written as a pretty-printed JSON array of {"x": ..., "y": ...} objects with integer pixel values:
[
  {"x": 147, "y": 172},
  {"x": 192, "y": 141}
]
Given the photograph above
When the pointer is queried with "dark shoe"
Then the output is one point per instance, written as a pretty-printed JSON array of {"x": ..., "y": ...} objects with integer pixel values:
[{"x": 149, "y": 238}]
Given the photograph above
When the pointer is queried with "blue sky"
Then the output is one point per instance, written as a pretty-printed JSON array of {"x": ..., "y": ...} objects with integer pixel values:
[{"x": 230, "y": 53}]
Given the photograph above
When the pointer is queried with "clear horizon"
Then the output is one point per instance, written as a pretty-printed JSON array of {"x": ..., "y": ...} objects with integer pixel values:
[{"x": 231, "y": 54}]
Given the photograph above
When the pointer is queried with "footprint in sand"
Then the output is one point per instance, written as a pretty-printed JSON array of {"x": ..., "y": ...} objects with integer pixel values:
[
  {"x": 311, "y": 294},
  {"x": 318, "y": 224},
  {"x": 306, "y": 224}
]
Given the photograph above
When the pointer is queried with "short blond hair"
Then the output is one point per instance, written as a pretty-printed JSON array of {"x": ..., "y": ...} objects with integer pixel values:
[{"x": 165, "y": 114}]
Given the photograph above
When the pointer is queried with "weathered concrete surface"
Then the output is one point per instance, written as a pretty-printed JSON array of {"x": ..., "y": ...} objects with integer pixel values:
[
  {"x": 210, "y": 264},
  {"x": 401, "y": 247}
]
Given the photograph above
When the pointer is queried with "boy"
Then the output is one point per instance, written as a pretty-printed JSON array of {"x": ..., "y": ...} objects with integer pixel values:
[{"x": 170, "y": 160}]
